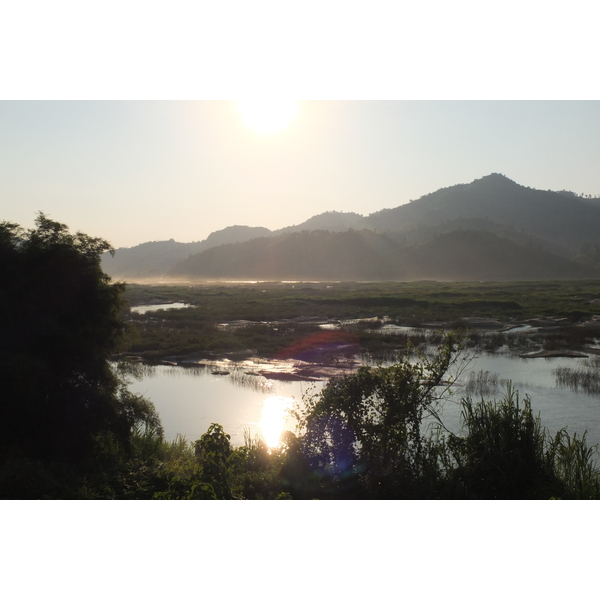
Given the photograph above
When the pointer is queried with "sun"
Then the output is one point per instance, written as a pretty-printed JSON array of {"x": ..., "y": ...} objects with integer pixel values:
[
  {"x": 274, "y": 419},
  {"x": 267, "y": 116}
]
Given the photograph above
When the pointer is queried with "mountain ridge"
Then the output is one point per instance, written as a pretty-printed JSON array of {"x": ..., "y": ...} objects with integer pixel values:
[{"x": 559, "y": 224}]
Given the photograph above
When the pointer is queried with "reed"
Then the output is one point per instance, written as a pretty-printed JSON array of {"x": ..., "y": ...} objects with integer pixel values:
[
  {"x": 505, "y": 453},
  {"x": 502, "y": 454},
  {"x": 586, "y": 377},
  {"x": 482, "y": 383}
]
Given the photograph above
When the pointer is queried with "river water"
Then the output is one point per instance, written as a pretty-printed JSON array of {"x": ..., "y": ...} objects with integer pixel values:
[
  {"x": 142, "y": 310},
  {"x": 189, "y": 400}
]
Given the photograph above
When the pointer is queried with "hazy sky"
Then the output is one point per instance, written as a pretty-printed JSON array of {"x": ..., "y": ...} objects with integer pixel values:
[{"x": 135, "y": 171}]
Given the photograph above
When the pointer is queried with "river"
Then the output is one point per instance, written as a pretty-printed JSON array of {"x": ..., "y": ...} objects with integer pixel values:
[
  {"x": 233, "y": 395},
  {"x": 189, "y": 400}
]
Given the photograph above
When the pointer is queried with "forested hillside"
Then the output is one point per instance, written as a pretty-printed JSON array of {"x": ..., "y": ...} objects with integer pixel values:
[
  {"x": 562, "y": 219},
  {"x": 479, "y": 255},
  {"x": 304, "y": 255},
  {"x": 365, "y": 255}
]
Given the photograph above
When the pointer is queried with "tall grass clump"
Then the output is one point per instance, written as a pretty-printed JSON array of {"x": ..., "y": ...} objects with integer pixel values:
[
  {"x": 575, "y": 465},
  {"x": 502, "y": 454},
  {"x": 148, "y": 443},
  {"x": 505, "y": 453}
]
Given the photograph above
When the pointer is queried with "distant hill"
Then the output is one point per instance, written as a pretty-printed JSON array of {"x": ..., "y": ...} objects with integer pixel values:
[
  {"x": 327, "y": 221},
  {"x": 564, "y": 220},
  {"x": 154, "y": 259},
  {"x": 591, "y": 200},
  {"x": 234, "y": 234},
  {"x": 365, "y": 255},
  {"x": 533, "y": 227},
  {"x": 151, "y": 259},
  {"x": 426, "y": 232},
  {"x": 300, "y": 255}
]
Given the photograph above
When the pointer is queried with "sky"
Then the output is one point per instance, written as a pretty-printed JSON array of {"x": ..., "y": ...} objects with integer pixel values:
[
  {"x": 122, "y": 123},
  {"x": 136, "y": 171}
]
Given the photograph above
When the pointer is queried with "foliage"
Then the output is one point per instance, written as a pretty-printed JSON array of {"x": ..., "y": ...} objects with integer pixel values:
[
  {"x": 574, "y": 464},
  {"x": 257, "y": 470},
  {"x": 367, "y": 428},
  {"x": 201, "y": 473},
  {"x": 61, "y": 319},
  {"x": 365, "y": 436},
  {"x": 212, "y": 469}
]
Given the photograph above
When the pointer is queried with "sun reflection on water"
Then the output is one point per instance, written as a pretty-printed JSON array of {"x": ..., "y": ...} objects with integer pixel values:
[{"x": 274, "y": 418}]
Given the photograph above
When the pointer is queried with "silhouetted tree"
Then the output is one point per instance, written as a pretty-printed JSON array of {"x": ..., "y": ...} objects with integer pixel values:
[
  {"x": 364, "y": 432},
  {"x": 59, "y": 322}
]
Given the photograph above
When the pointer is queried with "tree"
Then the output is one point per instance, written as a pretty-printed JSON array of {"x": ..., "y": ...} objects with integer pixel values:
[
  {"x": 60, "y": 322},
  {"x": 364, "y": 432}
]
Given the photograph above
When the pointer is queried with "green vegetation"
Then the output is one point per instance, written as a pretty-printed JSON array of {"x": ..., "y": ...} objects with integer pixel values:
[
  {"x": 377, "y": 434},
  {"x": 506, "y": 454},
  {"x": 269, "y": 304},
  {"x": 365, "y": 431}
]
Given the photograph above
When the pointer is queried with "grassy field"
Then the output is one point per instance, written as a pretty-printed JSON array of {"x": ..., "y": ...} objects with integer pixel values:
[{"x": 280, "y": 312}]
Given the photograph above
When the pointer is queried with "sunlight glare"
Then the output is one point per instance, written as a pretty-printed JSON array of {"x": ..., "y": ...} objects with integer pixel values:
[
  {"x": 274, "y": 417},
  {"x": 267, "y": 116}
]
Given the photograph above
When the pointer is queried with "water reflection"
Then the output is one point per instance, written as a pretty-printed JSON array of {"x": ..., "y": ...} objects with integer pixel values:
[
  {"x": 236, "y": 375},
  {"x": 190, "y": 399},
  {"x": 144, "y": 308},
  {"x": 275, "y": 419},
  {"x": 482, "y": 383}
]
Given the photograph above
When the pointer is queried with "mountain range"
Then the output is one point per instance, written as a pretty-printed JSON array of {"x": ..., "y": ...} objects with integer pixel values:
[{"x": 489, "y": 229}]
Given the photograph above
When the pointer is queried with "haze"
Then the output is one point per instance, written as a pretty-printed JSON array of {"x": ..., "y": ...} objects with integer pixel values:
[{"x": 137, "y": 171}]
